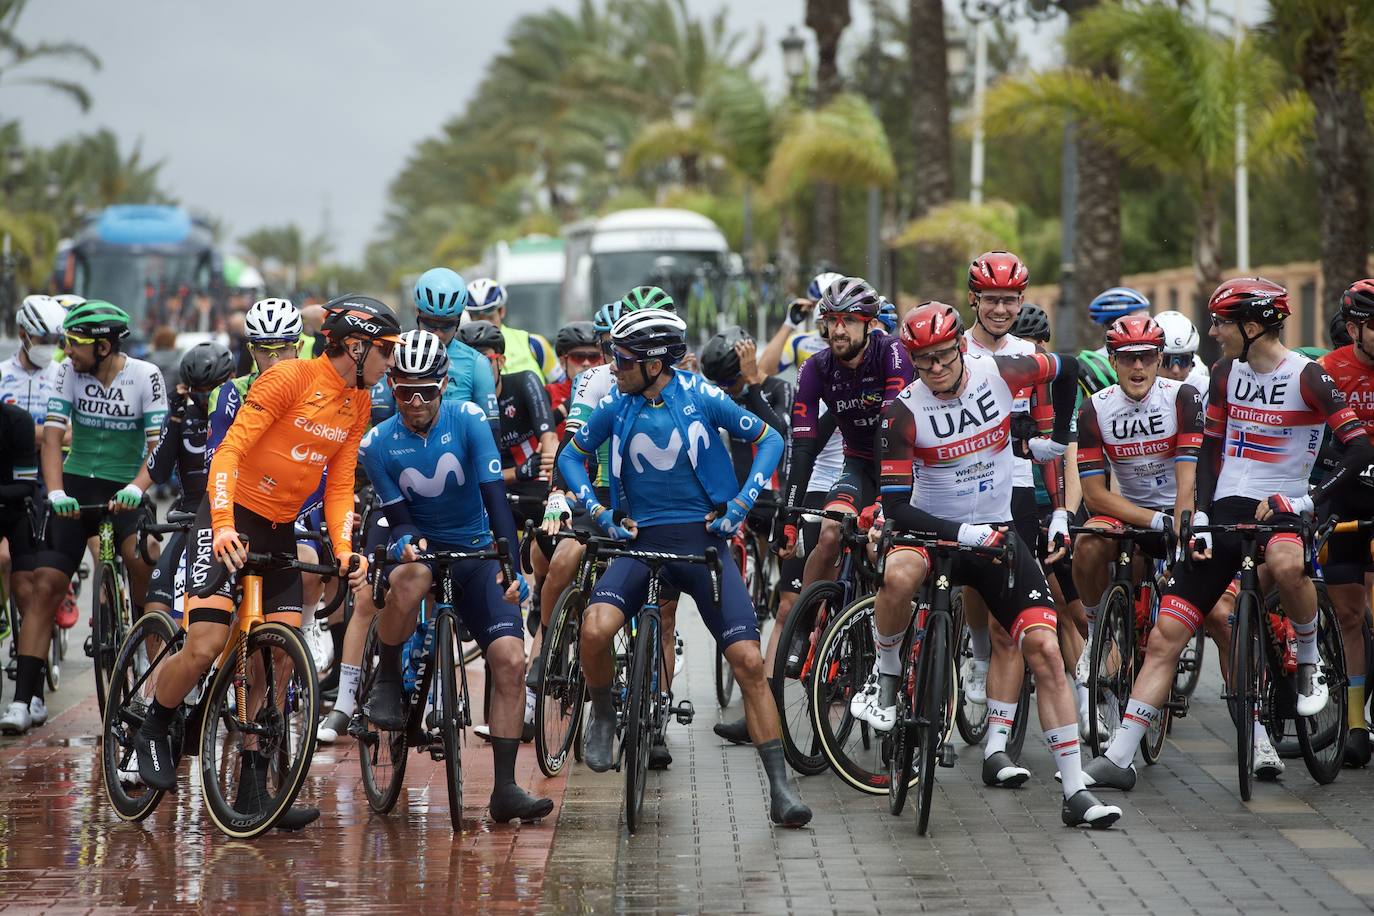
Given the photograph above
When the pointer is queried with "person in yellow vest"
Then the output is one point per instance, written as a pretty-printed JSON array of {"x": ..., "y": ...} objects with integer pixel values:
[{"x": 524, "y": 351}]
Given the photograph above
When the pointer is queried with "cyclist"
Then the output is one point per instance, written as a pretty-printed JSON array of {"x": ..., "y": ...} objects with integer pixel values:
[
  {"x": 1143, "y": 433},
  {"x": 1263, "y": 426},
  {"x": 114, "y": 405},
  {"x": 728, "y": 360},
  {"x": 856, "y": 376},
  {"x": 441, "y": 298},
  {"x": 525, "y": 351},
  {"x": 18, "y": 484},
  {"x": 794, "y": 343},
  {"x": 1348, "y": 555},
  {"x": 1181, "y": 362},
  {"x": 577, "y": 351},
  {"x": 947, "y": 469},
  {"x": 1094, "y": 369},
  {"x": 26, "y": 378},
  {"x": 438, "y": 478},
  {"x": 655, "y": 415},
  {"x": 887, "y": 316},
  {"x": 301, "y": 419},
  {"x": 181, "y": 450}
]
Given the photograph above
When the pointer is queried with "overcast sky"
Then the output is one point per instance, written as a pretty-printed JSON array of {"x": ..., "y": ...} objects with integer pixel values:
[{"x": 272, "y": 112}]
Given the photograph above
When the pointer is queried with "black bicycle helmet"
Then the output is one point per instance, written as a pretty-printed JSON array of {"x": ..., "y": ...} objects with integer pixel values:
[
  {"x": 482, "y": 335},
  {"x": 719, "y": 361},
  {"x": 206, "y": 365},
  {"x": 574, "y": 334},
  {"x": 1032, "y": 323},
  {"x": 362, "y": 317}
]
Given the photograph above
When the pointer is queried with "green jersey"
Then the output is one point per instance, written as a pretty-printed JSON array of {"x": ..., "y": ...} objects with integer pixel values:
[{"x": 111, "y": 425}]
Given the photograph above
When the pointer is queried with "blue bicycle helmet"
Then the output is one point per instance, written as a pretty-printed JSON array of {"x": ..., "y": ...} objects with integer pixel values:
[
  {"x": 887, "y": 315},
  {"x": 607, "y": 316},
  {"x": 1116, "y": 302},
  {"x": 440, "y": 292}
]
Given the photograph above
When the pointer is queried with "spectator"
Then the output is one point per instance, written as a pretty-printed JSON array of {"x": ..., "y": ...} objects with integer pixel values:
[
  {"x": 164, "y": 355},
  {"x": 238, "y": 343},
  {"x": 312, "y": 341}
]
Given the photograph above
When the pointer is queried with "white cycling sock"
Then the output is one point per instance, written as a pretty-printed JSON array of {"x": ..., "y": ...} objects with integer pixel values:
[
  {"x": 1063, "y": 745},
  {"x": 1307, "y": 642},
  {"x": 1139, "y": 717},
  {"x": 1261, "y": 733},
  {"x": 1000, "y": 719},
  {"x": 980, "y": 643},
  {"x": 1090, "y": 610},
  {"x": 889, "y": 652},
  {"x": 349, "y": 677}
]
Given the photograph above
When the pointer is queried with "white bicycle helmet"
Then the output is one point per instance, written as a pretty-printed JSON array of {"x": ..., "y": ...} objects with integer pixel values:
[
  {"x": 68, "y": 300},
  {"x": 421, "y": 354},
  {"x": 1180, "y": 336},
  {"x": 486, "y": 295},
  {"x": 41, "y": 316},
  {"x": 273, "y": 319}
]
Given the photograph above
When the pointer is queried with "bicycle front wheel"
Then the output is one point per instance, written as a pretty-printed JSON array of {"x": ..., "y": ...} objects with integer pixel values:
[
  {"x": 1111, "y": 667},
  {"x": 1247, "y": 663},
  {"x": 1322, "y": 737},
  {"x": 131, "y": 693},
  {"x": 559, "y": 700},
  {"x": 639, "y": 723},
  {"x": 450, "y": 712},
  {"x": 381, "y": 752},
  {"x": 792, "y": 684},
  {"x": 932, "y": 711},
  {"x": 108, "y": 625},
  {"x": 259, "y": 735}
]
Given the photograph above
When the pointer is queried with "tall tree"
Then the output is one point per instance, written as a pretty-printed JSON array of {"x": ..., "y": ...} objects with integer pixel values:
[
  {"x": 932, "y": 168},
  {"x": 16, "y": 54},
  {"x": 1329, "y": 44},
  {"x": 827, "y": 19}
]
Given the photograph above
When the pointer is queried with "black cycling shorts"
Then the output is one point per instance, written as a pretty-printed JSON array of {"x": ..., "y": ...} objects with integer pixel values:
[
  {"x": 66, "y": 537},
  {"x": 25, "y": 554},
  {"x": 791, "y": 571},
  {"x": 162, "y": 584},
  {"x": 1348, "y": 558},
  {"x": 478, "y": 598},
  {"x": 857, "y": 486},
  {"x": 281, "y": 589}
]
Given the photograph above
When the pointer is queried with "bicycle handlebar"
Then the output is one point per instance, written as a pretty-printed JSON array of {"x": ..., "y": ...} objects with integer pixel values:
[
  {"x": 498, "y": 551},
  {"x": 176, "y": 522},
  {"x": 1006, "y": 554}
]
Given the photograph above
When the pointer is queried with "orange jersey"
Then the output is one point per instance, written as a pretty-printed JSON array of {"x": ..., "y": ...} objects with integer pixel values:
[{"x": 296, "y": 420}]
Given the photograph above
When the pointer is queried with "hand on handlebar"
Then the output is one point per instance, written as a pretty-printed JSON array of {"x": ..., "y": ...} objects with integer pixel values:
[
  {"x": 1201, "y": 546},
  {"x": 228, "y": 548},
  {"x": 1043, "y": 450},
  {"x": 627, "y": 530},
  {"x": 1058, "y": 536},
  {"x": 982, "y": 535},
  {"x": 127, "y": 499},
  {"x": 727, "y": 524},
  {"x": 788, "y": 548},
  {"x": 357, "y": 576},
  {"x": 406, "y": 548},
  {"x": 557, "y": 515},
  {"x": 64, "y": 505}
]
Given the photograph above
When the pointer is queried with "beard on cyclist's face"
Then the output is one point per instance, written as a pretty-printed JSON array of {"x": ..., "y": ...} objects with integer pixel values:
[
  {"x": 997, "y": 309},
  {"x": 1136, "y": 370},
  {"x": 847, "y": 336}
]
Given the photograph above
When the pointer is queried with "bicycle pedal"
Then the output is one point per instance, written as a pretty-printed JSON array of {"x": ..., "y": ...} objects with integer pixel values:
[
  {"x": 88, "y": 646},
  {"x": 1178, "y": 710},
  {"x": 684, "y": 712},
  {"x": 357, "y": 728},
  {"x": 947, "y": 756}
]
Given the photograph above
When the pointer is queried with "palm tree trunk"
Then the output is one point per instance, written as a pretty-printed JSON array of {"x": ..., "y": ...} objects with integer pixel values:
[
  {"x": 828, "y": 19},
  {"x": 932, "y": 180},
  {"x": 1342, "y": 134},
  {"x": 1206, "y": 263}
]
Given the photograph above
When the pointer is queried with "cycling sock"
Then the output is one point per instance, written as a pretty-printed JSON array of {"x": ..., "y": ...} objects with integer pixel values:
[
  {"x": 1139, "y": 717},
  {"x": 1000, "y": 718},
  {"x": 1090, "y": 611},
  {"x": 503, "y": 751},
  {"x": 28, "y": 678},
  {"x": 889, "y": 652},
  {"x": 530, "y": 701},
  {"x": 774, "y": 762},
  {"x": 336, "y": 636},
  {"x": 158, "y": 719},
  {"x": 349, "y": 678},
  {"x": 601, "y": 701},
  {"x": 1261, "y": 733},
  {"x": 980, "y": 642},
  {"x": 1355, "y": 702},
  {"x": 389, "y": 663},
  {"x": 1063, "y": 744},
  {"x": 1307, "y": 642}
]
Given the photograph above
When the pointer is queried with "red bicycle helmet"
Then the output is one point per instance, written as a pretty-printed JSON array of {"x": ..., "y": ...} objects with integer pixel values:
[
  {"x": 1250, "y": 299},
  {"x": 1357, "y": 303},
  {"x": 997, "y": 270},
  {"x": 931, "y": 324},
  {"x": 1135, "y": 332}
]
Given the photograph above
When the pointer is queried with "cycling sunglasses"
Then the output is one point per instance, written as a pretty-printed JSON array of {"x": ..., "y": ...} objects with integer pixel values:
[
  {"x": 385, "y": 347},
  {"x": 939, "y": 358},
  {"x": 585, "y": 357},
  {"x": 275, "y": 348},
  {"x": 73, "y": 340},
  {"x": 407, "y": 392},
  {"x": 437, "y": 324},
  {"x": 625, "y": 360},
  {"x": 1177, "y": 360}
]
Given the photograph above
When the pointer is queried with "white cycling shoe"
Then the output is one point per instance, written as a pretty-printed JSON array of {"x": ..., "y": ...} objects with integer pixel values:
[
  {"x": 17, "y": 719},
  {"x": 1268, "y": 764},
  {"x": 1312, "y": 690},
  {"x": 975, "y": 681}
]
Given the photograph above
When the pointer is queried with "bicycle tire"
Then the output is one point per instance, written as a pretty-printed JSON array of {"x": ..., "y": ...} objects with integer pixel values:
[
  {"x": 53, "y": 674},
  {"x": 902, "y": 740},
  {"x": 970, "y": 731},
  {"x": 844, "y": 660},
  {"x": 792, "y": 696},
  {"x": 125, "y": 713},
  {"x": 1247, "y": 658},
  {"x": 450, "y": 713},
  {"x": 1110, "y": 666},
  {"x": 1185, "y": 682},
  {"x": 381, "y": 753},
  {"x": 639, "y": 721},
  {"x": 1323, "y": 737},
  {"x": 297, "y": 695},
  {"x": 933, "y": 686},
  {"x": 106, "y": 628},
  {"x": 1020, "y": 725},
  {"x": 561, "y": 695}
]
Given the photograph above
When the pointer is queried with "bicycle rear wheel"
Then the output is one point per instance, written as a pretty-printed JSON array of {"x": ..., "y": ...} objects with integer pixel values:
[
  {"x": 282, "y": 732},
  {"x": 131, "y": 693},
  {"x": 932, "y": 711},
  {"x": 972, "y": 730},
  {"x": 1247, "y": 662},
  {"x": 107, "y": 627},
  {"x": 1016, "y": 741},
  {"x": 559, "y": 699},
  {"x": 1322, "y": 737},
  {"x": 381, "y": 752},
  {"x": 449, "y": 712},
  {"x": 902, "y": 742},
  {"x": 1190, "y": 664},
  {"x": 1111, "y": 671},
  {"x": 639, "y": 723},
  {"x": 792, "y": 694}
]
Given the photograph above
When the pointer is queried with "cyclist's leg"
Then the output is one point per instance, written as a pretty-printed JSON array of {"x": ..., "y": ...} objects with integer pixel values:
[
  {"x": 791, "y": 574},
  {"x": 1007, "y": 668},
  {"x": 38, "y": 583},
  {"x": 854, "y": 490},
  {"x": 1285, "y": 559},
  {"x": 125, "y": 526},
  {"x": 621, "y": 590},
  {"x": 350, "y": 657},
  {"x": 1092, "y": 557},
  {"x": 905, "y": 571},
  {"x": 1347, "y": 559}
]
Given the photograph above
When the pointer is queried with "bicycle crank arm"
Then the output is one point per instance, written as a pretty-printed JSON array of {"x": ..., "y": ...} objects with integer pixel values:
[
  {"x": 947, "y": 756},
  {"x": 684, "y": 712}
]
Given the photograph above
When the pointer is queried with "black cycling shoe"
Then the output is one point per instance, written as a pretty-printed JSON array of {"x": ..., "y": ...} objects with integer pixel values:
[
  {"x": 157, "y": 766},
  {"x": 385, "y": 706},
  {"x": 251, "y": 796},
  {"x": 1001, "y": 772},
  {"x": 796, "y": 655},
  {"x": 1101, "y": 773},
  {"x": 1357, "y": 750},
  {"x": 536, "y": 672},
  {"x": 599, "y": 741},
  {"x": 736, "y": 732},
  {"x": 1084, "y": 810},
  {"x": 660, "y": 758},
  {"x": 510, "y": 802}
]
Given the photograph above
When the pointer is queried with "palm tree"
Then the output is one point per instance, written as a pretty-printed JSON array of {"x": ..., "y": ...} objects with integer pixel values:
[
  {"x": 1328, "y": 46},
  {"x": 16, "y": 54},
  {"x": 1173, "y": 110},
  {"x": 932, "y": 174},
  {"x": 828, "y": 19},
  {"x": 841, "y": 144}
]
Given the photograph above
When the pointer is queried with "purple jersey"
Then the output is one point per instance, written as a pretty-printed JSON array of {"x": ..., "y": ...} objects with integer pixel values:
[{"x": 856, "y": 396}]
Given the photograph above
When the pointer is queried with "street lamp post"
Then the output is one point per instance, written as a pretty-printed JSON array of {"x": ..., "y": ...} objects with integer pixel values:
[
  {"x": 614, "y": 155},
  {"x": 793, "y": 57}
]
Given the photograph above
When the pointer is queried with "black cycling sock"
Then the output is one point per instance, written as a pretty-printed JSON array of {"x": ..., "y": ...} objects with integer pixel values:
[
  {"x": 503, "y": 751},
  {"x": 28, "y": 678},
  {"x": 158, "y": 719},
  {"x": 389, "y": 664},
  {"x": 601, "y": 700},
  {"x": 336, "y": 635},
  {"x": 774, "y": 762}
]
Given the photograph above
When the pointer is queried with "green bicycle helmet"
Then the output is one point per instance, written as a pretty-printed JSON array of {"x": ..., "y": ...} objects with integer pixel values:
[
  {"x": 98, "y": 318},
  {"x": 647, "y": 297}
]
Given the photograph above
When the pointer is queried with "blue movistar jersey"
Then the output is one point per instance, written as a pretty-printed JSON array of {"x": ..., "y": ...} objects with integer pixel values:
[
  {"x": 470, "y": 379},
  {"x": 657, "y": 488},
  {"x": 439, "y": 474}
]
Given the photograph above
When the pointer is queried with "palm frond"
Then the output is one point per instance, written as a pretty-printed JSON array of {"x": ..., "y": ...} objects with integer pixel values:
[
  {"x": 842, "y": 144},
  {"x": 964, "y": 228}
]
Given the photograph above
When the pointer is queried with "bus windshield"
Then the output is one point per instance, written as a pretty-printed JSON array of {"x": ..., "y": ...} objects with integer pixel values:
[
  {"x": 534, "y": 307},
  {"x": 126, "y": 279}
]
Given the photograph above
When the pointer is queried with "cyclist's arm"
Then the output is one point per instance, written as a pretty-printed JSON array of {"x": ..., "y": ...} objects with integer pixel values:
[
  {"x": 1322, "y": 393},
  {"x": 896, "y": 458},
  {"x": 899, "y": 371},
  {"x": 1092, "y": 473},
  {"x": 572, "y": 461},
  {"x": 746, "y": 427},
  {"x": 770, "y": 357},
  {"x": 1188, "y": 408},
  {"x": 487, "y": 462},
  {"x": 805, "y": 443},
  {"x": 542, "y": 420},
  {"x": 1061, "y": 372},
  {"x": 484, "y": 394},
  {"x": 154, "y": 415},
  {"x": 21, "y": 445},
  {"x": 272, "y": 393},
  {"x": 162, "y": 461},
  {"x": 579, "y": 411},
  {"x": 372, "y": 459},
  {"x": 1213, "y": 435},
  {"x": 224, "y": 406},
  {"x": 56, "y": 426}
]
